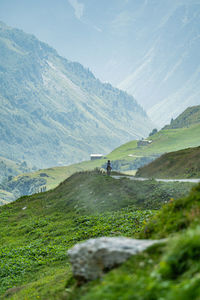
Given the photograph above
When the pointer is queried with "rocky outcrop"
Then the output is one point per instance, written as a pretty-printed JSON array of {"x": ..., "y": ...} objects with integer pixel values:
[{"x": 92, "y": 258}]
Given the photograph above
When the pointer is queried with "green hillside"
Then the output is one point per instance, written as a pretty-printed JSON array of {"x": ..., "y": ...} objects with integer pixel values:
[
  {"x": 190, "y": 116},
  {"x": 37, "y": 230},
  {"x": 126, "y": 158},
  {"x": 30, "y": 183},
  {"x": 54, "y": 111},
  {"x": 130, "y": 156},
  {"x": 167, "y": 271},
  {"x": 179, "y": 164}
]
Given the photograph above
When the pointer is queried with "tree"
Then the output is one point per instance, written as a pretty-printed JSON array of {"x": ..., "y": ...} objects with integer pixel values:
[{"x": 155, "y": 130}]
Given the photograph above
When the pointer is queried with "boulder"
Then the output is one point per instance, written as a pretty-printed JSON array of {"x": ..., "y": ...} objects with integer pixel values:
[{"x": 92, "y": 258}]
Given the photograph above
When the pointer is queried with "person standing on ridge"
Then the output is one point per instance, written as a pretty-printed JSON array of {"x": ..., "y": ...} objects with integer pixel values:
[{"x": 108, "y": 168}]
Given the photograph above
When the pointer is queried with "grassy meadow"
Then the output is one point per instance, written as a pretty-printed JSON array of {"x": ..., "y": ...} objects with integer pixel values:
[
  {"x": 179, "y": 164},
  {"x": 163, "y": 141},
  {"x": 55, "y": 175},
  {"x": 126, "y": 158},
  {"x": 169, "y": 270},
  {"x": 37, "y": 230}
]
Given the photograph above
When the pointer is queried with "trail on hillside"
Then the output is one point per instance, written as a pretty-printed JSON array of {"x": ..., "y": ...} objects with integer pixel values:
[{"x": 196, "y": 180}]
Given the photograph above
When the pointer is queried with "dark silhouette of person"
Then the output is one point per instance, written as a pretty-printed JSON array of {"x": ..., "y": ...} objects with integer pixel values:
[{"x": 108, "y": 168}]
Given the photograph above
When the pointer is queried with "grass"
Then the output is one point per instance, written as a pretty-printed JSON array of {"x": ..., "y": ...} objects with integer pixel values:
[
  {"x": 37, "y": 230},
  {"x": 126, "y": 156},
  {"x": 180, "y": 164},
  {"x": 130, "y": 172},
  {"x": 129, "y": 157},
  {"x": 55, "y": 175},
  {"x": 174, "y": 217},
  {"x": 190, "y": 116},
  {"x": 169, "y": 270},
  {"x": 163, "y": 141}
]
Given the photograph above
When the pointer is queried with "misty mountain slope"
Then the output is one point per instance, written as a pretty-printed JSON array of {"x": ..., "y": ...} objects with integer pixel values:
[
  {"x": 54, "y": 111},
  {"x": 166, "y": 77}
]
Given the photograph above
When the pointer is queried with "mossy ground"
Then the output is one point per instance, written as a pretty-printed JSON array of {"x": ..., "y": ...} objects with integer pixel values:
[{"x": 36, "y": 231}]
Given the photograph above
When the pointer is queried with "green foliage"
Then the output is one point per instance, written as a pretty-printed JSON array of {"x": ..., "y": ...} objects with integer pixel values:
[
  {"x": 162, "y": 272},
  {"x": 85, "y": 189},
  {"x": 176, "y": 216},
  {"x": 36, "y": 231},
  {"x": 168, "y": 271},
  {"x": 44, "y": 241},
  {"x": 39, "y": 229},
  {"x": 154, "y": 131},
  {"x": 181, "y": 255}
]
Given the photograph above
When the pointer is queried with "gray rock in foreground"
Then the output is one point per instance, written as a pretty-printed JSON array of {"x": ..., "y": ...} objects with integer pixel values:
[{"x": 91, "y": 258}]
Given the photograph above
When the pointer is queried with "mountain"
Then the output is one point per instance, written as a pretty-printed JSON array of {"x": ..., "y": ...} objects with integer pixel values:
[
  {"x": 190, "y": 116},
  {"x": 54, "y": 111},
  {"x": 150, "y": 48},
  {"x": 179, "y": 164},
  {"x": 165, "y": 71}
]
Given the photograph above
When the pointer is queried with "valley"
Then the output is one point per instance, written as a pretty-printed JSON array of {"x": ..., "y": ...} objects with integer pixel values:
[
  {"x": 126, "y": 158},
  {"x": 81, "y": 202},
  {"x": 100, "y": 199}
]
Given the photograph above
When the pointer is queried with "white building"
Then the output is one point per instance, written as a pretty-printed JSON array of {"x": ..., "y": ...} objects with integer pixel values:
[{"x": 96, "y": 156}]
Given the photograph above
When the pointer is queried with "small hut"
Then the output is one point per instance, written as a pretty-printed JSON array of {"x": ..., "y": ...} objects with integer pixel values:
[
  {"x": 144, "y": 142},
  {"x": 96, "y": 156}
]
